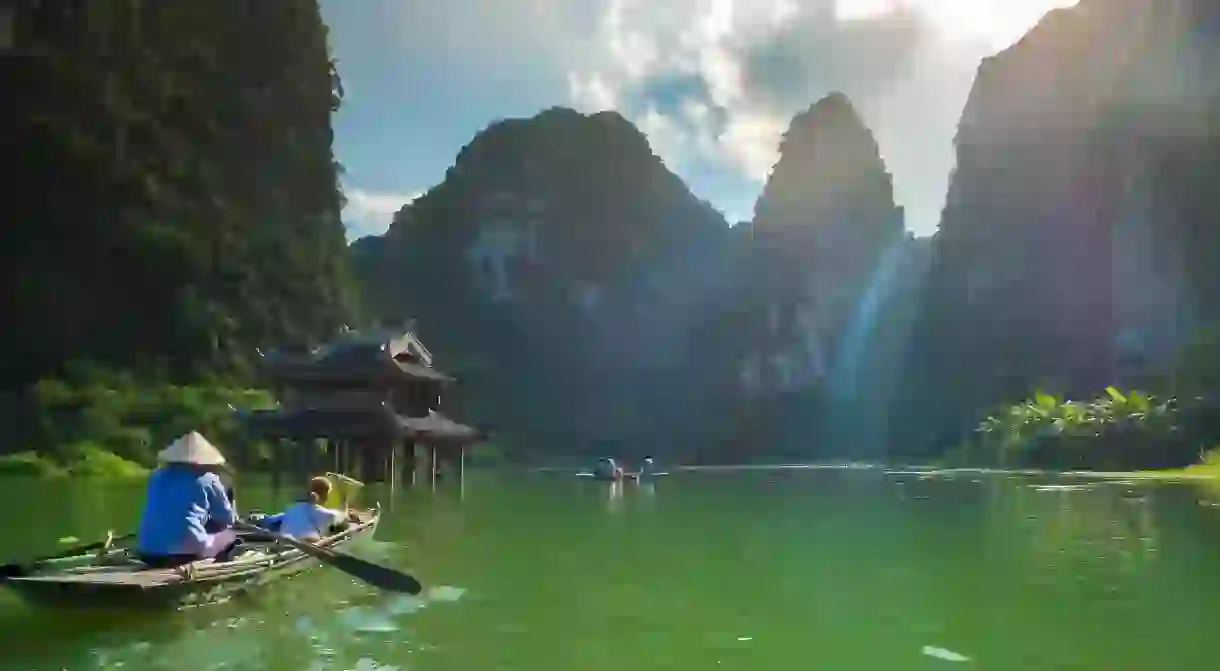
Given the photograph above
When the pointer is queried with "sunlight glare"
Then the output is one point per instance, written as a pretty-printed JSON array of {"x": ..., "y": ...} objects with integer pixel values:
[{"x": 998, "y": 22}]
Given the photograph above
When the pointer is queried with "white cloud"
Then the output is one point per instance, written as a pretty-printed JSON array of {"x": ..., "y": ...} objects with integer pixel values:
[
  {"x": 591, "y": 93},
  {"x": 715, "y": 82},
  {"x": 370, "y": 213}
]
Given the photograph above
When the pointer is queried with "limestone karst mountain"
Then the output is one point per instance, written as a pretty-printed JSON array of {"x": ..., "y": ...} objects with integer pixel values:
[
  {"x": 1078, "y": 245},
  {"x": 564, "y": 266},
  {"x": 826, "y": 265}
]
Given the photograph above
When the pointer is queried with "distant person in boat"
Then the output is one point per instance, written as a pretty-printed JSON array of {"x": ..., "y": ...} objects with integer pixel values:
[
  {"x": 647, "y": 468},
  {"x": 188, "y": 512},
  {"x": 308, "y": 519},
  {"x": 607, "y": 469}
]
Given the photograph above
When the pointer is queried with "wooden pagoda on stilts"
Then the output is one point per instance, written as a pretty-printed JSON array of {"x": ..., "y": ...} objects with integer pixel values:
[{"x": 362, "y": 405}]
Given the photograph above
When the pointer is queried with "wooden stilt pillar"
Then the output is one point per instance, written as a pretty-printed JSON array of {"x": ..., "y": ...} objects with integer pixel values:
[
  {"x": 408, "y": 463},
  {"x": 462, "y": 473},
  {"x": 392, "y": 466},
  {"x": 432, "y": 465}
]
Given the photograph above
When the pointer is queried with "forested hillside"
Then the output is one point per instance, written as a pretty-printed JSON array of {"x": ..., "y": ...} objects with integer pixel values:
[
  {"x": 173, "y": 204},
  {"x": 175, "y": 199}
]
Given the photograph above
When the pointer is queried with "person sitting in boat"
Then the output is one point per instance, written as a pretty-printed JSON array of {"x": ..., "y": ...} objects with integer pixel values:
[
  {"x": 188, "y": 513},
  {"x": 308, "y": 519},
  {"x": 647, "y": 468},
  {"x": 607, "y": 469}
]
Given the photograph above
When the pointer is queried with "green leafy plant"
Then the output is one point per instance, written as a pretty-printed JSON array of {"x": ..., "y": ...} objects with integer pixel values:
[
  {"x": 102, "y": 423},
  {"x": 1116, "y": 431}
]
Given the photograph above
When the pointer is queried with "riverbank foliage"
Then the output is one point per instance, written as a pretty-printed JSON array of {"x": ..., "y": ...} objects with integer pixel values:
[
  {"x": 1115, "y": 432},
  {"x": 96, "y": 422},
  {"x": 177, "y": 205}
]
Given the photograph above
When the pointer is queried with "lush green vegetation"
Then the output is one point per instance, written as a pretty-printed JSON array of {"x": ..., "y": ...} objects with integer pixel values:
[
  {"x": 94, "y": 422},
  {"x": 177, "y": 203},
  {"x": 177, "y": 206},
  {"x": 1117, "y": 432}
]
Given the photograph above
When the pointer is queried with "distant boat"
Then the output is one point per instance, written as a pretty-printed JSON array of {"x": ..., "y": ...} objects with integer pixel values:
[{"x": 608, "y": 470}]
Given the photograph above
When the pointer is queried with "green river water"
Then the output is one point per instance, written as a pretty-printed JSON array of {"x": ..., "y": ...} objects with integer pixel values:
[{"x": 775, "y": 569}]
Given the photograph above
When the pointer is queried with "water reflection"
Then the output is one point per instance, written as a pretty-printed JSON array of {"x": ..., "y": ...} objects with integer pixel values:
[
  {"x": 614, "y": 501},
  {"x": 364, "y": 631},
  {"x": 1093, "y": 532}
]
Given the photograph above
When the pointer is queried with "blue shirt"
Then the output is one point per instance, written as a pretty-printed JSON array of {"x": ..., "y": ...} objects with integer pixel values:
[{"x": 179, "y": 502}]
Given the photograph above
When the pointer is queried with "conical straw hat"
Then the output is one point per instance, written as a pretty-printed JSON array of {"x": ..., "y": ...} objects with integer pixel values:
[{"x": 192, "y": 448}]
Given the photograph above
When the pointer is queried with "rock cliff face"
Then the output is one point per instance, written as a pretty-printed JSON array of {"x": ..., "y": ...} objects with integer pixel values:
[
  {"x": 1078, "y": 241},
  {"x": 824, "y": 266},
  {"x": 593, "y": 299},
  {"x": 565, "y": 266},
  {"x": 821, "y": 226}
]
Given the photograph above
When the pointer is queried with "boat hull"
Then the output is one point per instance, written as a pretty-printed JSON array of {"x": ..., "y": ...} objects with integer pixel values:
[{"x": 96, "y": 585}]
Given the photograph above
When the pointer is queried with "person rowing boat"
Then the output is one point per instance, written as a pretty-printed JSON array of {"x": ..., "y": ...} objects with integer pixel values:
[{"x": 188, "y": 512}]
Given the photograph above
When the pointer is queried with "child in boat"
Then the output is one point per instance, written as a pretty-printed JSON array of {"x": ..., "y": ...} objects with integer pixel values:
[{"x": 308, "y": 520}]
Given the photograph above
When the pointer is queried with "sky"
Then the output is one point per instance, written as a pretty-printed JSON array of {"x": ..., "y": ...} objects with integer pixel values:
[{"x": 712, "y": 83}]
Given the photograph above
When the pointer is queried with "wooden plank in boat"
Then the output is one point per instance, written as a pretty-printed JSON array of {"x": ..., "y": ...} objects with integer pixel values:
[{"x": 135, "y": 578}]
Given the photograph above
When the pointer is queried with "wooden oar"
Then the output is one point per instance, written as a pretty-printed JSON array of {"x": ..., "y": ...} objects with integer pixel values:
[
  {"x": 373, "y": 574},
  {"x": 18, "y": 569}
]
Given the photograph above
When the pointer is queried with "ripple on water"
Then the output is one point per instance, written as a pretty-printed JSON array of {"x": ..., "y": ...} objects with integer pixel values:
[
  {"x": 405, "y": 605},
  {"x": 364, "y": 620},
  {"x": 370, "y": 664},
  {"x": 375, "y": 618},
  {"x": 445, "y": 593}
]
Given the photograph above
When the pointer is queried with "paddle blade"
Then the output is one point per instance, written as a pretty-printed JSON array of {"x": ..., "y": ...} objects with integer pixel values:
[{"x": 373, "y": 574}]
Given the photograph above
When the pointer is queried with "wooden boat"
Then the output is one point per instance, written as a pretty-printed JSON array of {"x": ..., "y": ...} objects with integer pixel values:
[
  {"x": 622, "y": 478},
  {"x": 85, "y": 577}
]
